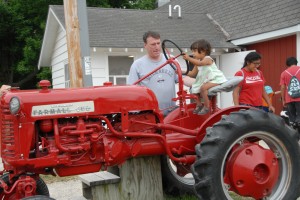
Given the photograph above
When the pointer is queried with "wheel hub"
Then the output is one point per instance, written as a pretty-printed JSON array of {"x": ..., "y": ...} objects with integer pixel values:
[{"x": 252, "y": 171}]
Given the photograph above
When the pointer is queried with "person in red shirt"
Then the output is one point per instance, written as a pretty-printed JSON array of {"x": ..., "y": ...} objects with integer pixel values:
[
  {"x": 292, "y": 104},
  {"x": 251, "y": 90}
]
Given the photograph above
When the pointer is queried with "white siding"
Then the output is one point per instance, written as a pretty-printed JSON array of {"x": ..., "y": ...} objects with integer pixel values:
[
  {"x": 58, "y": 59},
  {"x": 58, "y": 76}
]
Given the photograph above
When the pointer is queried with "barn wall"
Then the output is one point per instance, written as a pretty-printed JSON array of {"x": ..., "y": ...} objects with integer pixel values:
[{"x": 274, "y": 54}]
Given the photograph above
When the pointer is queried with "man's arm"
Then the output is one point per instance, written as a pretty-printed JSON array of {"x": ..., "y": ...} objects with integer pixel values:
[
  {"x": 282, "y": 90},
  {"x": 277, "y": 92}
]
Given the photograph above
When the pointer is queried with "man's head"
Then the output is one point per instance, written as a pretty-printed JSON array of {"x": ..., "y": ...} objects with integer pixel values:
[
  {"x": 291, "y": 61},
  {"x": 152, "y": 44}
]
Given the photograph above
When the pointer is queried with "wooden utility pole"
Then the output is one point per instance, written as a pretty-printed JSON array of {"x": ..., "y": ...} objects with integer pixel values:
[{"x": 78, "y": 43}]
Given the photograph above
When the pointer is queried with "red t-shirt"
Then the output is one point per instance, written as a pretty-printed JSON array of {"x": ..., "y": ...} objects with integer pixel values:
[
  {"x": 285, "y": 80},
  {"x": 251, "y": 87}
]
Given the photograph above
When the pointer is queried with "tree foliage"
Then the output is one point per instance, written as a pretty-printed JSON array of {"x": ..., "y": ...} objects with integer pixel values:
[
  {"x": 22, "y": 27},
  {"x": 21, "y": 40}
]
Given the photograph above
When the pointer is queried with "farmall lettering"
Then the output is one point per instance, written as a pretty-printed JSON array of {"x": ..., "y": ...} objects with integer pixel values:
[{"x": 66, "y": 108}]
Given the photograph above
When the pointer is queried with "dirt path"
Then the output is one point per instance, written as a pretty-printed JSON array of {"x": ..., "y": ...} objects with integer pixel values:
[{"x": 66, "y": 190}]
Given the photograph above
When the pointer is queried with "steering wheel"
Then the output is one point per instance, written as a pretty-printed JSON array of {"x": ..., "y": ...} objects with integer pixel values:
[{"x": 168, "y": 55}]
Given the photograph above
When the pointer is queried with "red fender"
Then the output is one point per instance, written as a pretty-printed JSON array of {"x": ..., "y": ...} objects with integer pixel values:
[{"x": 214, "y": 118}]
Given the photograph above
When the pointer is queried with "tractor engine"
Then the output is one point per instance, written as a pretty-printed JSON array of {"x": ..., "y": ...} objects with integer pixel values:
[{"x": 73, "y": 131}]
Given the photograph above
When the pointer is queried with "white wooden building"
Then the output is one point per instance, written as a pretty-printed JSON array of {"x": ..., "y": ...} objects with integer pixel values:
[{"x": 115, "y": 35}]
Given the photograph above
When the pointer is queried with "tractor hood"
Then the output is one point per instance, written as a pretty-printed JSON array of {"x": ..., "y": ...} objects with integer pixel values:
[{"x": 45, "y": 103}]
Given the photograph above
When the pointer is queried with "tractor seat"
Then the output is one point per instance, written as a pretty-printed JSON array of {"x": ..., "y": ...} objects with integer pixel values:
[{"x": 227, "y": 86}]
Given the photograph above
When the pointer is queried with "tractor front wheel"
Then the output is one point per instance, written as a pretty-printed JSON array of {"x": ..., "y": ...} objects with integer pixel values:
[
  {"x": 177, "y": 178},
  {"x": 249, "y": 153}
]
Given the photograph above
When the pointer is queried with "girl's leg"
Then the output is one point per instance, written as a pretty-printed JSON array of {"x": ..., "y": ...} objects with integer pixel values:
[
  {"x": 198, "y": 104},
  {"x": 204, "y": 91}
]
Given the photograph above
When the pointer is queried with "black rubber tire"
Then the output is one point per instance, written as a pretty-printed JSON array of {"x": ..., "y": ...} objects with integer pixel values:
[
  {"x": 208, "y": 170},
  {"x": 173, "y": 184},
  {"x": 163, "y": 46},
  {"x": 41, "y": 187},
  {"x": 38, "y": 197}
]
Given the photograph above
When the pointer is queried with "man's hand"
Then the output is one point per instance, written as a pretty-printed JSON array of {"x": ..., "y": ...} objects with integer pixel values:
[{"x": 271, "y": 109}]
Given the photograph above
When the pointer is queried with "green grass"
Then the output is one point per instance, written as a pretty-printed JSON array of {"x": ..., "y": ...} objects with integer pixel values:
[
  {"x": 233, "y": 195},
  {"x": 237, "y": 197},
  {"x": 181, "y": 198}
]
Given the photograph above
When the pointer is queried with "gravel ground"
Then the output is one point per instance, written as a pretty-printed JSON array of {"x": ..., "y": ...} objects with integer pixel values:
[{"x": 66, "y": 190}]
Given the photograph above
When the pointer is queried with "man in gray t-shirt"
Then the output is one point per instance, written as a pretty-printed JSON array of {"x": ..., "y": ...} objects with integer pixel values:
[{"x": 162, "y": 82}]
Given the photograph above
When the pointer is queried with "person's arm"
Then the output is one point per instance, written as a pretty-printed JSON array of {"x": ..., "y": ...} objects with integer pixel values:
[
  {"x": 204, "y": 62},
  {"x": 194, "y": 72},
  {"x": 267, "y": 99},
  {"x": 282, "y": 89},
  {"x": 236, "y": 94},
  {"x": 277, "y": 92}
]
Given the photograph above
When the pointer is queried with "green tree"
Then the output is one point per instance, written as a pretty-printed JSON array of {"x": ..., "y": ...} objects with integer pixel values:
[
  {"x": 8, "y": 47},
  {"x": 132, "y": 4},
  {"x": 21, "y": 40},
  {"x": 143, "y": 4},
  {"x": 22, "y": 26}
]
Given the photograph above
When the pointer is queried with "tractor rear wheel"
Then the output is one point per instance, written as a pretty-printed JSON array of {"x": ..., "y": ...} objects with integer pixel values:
[{"x": 249, "y": 153}]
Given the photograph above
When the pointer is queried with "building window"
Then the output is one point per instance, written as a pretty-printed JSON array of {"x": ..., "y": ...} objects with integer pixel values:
[{"x": 119, "y": 67}]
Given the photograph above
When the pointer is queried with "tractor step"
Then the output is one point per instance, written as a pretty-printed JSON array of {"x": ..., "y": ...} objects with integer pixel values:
[{"x": 91, "y": 180}]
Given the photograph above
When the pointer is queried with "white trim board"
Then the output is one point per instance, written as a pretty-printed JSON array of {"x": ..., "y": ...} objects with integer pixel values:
[{"x": 267, "y": 36}]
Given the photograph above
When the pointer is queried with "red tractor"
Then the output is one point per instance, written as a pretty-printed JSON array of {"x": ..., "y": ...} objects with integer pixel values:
[{"x": 82, "y": 130}]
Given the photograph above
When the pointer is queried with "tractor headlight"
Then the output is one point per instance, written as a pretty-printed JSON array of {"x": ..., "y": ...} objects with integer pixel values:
[{"x": 14, "y": 105}]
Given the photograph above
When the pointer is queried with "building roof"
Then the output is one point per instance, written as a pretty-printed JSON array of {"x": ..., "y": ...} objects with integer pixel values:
[
  {"x": 222, "y": 23},
  {"x": 120, "y": 28},
  {"x": 245, "y": 18}
]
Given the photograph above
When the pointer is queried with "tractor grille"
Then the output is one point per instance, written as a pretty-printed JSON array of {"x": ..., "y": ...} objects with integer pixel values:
[{"x": 7, "y": 133}]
